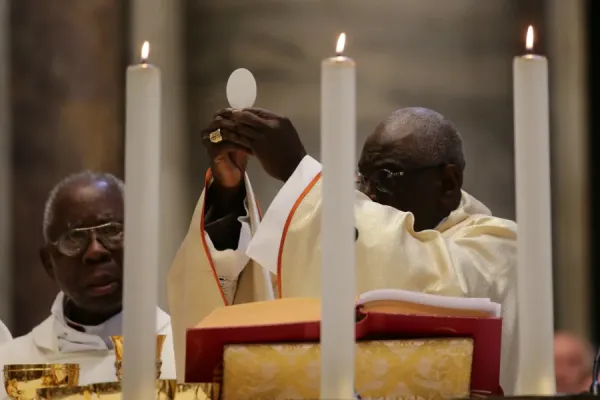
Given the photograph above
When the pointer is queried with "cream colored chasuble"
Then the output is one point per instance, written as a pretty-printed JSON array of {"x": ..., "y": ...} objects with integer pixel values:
[
  {"x": 202, "y": 279},
  {"x": 470, "y": 254}
]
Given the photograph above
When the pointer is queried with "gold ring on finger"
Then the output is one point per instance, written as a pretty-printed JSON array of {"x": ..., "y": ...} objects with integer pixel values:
[{"x": 215, "y": 136}]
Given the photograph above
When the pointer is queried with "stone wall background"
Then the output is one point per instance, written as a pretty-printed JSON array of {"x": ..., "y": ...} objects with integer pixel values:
[{"x": 67, "y": 77}]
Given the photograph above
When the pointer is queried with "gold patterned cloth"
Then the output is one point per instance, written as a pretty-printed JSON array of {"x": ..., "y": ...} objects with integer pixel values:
[{"x": 429, "y": 369}]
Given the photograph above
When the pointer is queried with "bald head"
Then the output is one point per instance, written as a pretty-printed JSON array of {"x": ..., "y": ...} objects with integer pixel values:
[
  {"x": 81, "y": 186},
  {"x": 418, "y": 137},
  {"x": 414, "y": 162},
  {"x": 573, "y": 359}
]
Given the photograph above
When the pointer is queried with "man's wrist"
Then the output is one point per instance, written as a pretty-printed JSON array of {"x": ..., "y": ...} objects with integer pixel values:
[
  {"x": 227, "y": 194},
  {"x": 223, "y": 201},
  {"x": 293, "y": 166},
  {"x": 223, "y": 207}
]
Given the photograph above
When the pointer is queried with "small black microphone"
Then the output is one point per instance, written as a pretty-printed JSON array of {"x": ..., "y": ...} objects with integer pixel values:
[{"x": 595, "y": 386}]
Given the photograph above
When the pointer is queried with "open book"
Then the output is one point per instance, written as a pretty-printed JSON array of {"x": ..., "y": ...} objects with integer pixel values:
[
  {"x": 381, "y": 315},
  {"x": 384, "y": 301},
  {"x": 394, "y": 301}
]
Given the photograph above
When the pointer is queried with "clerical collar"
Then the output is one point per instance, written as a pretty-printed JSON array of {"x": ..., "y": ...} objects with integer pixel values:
[
  {"x": 67, "y": 305},
  {"x": 110, "y": 327}
]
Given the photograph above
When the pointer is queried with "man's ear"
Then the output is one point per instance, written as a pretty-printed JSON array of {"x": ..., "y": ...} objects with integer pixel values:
[
  {"x": 451, "y": 184},
  {"x": 47, "y": 261},
  {"x": 452, "y": 179}
]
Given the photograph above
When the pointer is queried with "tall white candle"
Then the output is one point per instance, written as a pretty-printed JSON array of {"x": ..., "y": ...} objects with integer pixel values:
[
  {"x": 142, "y": 172},
  {"x": 338, "y": 144},
  {"x": 534, "y": 268}
]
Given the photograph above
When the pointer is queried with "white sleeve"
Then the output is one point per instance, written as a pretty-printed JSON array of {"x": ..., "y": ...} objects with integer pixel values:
[
  {"x": 264, "y": 246},
  {"x": 241, "y": 259},
  {"x": 229, "y": 271}
]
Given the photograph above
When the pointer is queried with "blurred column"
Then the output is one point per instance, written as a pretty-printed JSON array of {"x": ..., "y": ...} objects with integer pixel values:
[
  {"x": 568, "y": 76},
  {"x": 159, "y": 22},
  {"x": 67, "y": 90},
  {"x": 5, "y": 171}
]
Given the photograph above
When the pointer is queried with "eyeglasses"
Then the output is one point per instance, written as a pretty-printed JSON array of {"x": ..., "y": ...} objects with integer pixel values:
[
  {"x": 76, "y": 241},
  {"x": 382, "y": 180}
]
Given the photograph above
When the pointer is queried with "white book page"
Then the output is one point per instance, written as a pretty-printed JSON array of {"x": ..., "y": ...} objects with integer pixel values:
[{"x": 480, "y": 304}]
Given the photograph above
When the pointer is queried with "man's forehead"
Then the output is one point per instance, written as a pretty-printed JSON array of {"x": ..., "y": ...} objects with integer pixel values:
[
  {"x": 384, "y": 149},
  {"x": 83, "y": 203},
  {"x": 82, "y": 192},
  {"x": 568, "y": 344}
]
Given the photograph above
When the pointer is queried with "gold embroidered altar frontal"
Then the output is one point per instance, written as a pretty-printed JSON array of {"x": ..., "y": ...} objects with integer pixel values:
[{"x": 428, "y": 369}]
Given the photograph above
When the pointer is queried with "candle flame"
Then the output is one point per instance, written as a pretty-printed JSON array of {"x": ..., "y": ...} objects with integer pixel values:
[
  {"x": 145, "y": 52},
  {"x": 341, "y": 43},
  {"x": 529, "y": 39}
]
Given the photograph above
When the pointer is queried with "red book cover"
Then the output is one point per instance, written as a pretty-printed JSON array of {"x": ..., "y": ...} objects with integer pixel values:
[{"x": 205, "y": 345}]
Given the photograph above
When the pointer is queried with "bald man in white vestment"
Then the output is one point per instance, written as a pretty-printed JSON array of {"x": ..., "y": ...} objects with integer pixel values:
[
  {"x": 416, "y": 229},
  {"x": 83, "y": 254},
  {"x": 5, "y": 334}
]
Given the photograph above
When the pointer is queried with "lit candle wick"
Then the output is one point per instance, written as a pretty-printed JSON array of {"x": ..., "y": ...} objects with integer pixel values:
[
  {"x": 529, "y": 39},
  {"x": 145, "y": 52},
  {"x": 341, "y": 43}
]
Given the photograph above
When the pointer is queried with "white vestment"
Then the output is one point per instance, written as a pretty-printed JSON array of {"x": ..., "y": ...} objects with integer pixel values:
[
  {"x": 198, "y": 284},
  {"x": 469, "y": 254},
  {"x": 5, "y": 334},
  {"x": 53, "y": 341}
]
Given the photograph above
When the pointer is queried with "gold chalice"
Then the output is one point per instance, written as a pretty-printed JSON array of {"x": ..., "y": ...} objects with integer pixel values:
[
  {"x": 118, "y": 344},
  {"x": 106, "y": 391},
  {"x": 166, "y": 389},
  {"x": 65, "y": 393},
  {"x": 195, "y": 391},
  {"x": 22, "y": 380},
  {"x": 171, "y": 390}
]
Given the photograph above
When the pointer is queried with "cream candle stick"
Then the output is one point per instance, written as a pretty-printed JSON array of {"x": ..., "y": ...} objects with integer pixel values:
[
  {"x": 534, "y": 271},
  {"x": 142, "y": 172},
  {"x": 338, "y": 144}
]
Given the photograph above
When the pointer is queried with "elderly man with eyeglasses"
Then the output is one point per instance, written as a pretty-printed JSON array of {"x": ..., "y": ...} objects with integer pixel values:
[
  {"x": 416, "y": 229},
  {"x": 83, "y": 254}
]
